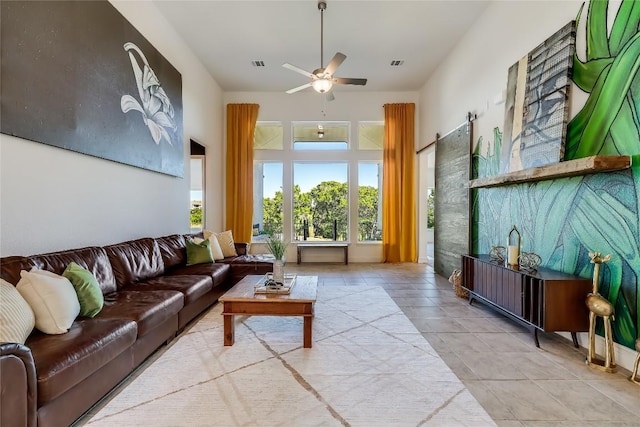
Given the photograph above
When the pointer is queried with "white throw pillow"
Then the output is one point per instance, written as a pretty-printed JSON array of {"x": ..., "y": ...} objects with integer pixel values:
[
  {"x": 52, "y": 299},
  {"x": 226, "y": 243},
  {"x": 216, "y": 250},
  {"x": 16, "y": 317}
]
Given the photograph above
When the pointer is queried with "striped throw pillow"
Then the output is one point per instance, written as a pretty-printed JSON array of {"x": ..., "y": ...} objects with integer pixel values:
[{"x": 16, "y": 317}]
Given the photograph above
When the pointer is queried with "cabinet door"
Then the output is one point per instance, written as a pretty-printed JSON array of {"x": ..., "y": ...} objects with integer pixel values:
[{"x": 512, "y": 288}]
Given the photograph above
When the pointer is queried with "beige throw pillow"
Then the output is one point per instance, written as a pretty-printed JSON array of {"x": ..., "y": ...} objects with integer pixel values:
[
  {"x": 52, "y": 298},
  {"x": 226, "y": 243},
  {"x": 16, "y": 317}
]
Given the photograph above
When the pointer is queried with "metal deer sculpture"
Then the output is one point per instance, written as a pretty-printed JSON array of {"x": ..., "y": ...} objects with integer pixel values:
[{"x": 599, "y": 306}]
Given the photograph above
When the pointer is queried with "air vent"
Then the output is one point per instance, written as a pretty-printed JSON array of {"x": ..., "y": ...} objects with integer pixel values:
[
  {"x": 397, "y": 62},
  {"x": 257, "y": 63}
]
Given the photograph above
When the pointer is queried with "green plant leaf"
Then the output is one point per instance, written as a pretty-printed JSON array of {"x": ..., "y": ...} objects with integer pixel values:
[
  {"x": 614, "y": 91},
  {"x": 576, "y": 126},
  {"x": 550, "y": 198},
  {"x": 585, "y": 74},
  {"x": 624, "y": 331},
  {"x": 591, "y": 211},
  {"x": 624, "y": 130},
  {"x": 597, "y": 42},
  {"x": 625, "y": 25}
]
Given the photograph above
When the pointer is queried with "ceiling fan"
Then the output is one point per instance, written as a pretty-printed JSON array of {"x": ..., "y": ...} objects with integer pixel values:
[{"x": 322, "y": 79}]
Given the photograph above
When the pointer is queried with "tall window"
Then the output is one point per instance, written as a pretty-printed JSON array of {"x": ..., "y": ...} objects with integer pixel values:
[
  {"x": 267, "y": 181},
  {"x": 320, "y": 201},
  {"x": 267, "y": 200},
  {"x": 370, "y": 201},
  {"x": 318, "y": 181}
]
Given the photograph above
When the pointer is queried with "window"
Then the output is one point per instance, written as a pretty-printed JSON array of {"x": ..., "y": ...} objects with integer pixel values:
[
  {"x": 370, "y": 201},
  {"x": 370, "y": 135},
  {"x": 320, "y": 183},
  {"x": 268, "y": 136},
  {"x": 320, "y": 201},
  {"x": 321, "y": 136},
  {"x": 267, "y": 200}
]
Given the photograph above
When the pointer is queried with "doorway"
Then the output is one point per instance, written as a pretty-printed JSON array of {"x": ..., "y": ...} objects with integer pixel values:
[{"x": 197, "y": 188}]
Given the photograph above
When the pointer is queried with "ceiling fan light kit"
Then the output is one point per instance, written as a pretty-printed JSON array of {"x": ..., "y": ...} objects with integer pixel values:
[
  {"x": 322, "y": 79},
  {"x": 322, "y": 85}
]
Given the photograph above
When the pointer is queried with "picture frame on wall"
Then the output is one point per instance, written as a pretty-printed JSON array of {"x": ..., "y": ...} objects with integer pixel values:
[
  {"x": 537, "y": 103},
  {"x": 77, "y": 75}
]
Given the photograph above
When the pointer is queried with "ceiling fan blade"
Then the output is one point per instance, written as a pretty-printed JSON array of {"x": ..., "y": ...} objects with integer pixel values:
[
  {"x": 299, "y": 88},
  {"x": 348, "y": 81},
  {"x": 297, "y": 70},
  {"x": 337, "y": 59}
]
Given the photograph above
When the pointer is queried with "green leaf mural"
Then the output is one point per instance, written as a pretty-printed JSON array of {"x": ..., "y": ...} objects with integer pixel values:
[{"x": 564, "y": 219}]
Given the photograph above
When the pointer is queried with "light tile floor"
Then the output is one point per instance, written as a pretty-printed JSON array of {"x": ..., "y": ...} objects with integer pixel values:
[{"x": 517, "y": 383}]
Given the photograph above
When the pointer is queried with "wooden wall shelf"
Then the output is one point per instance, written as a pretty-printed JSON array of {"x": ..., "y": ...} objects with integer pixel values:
[{"x": 584, "y": 166}]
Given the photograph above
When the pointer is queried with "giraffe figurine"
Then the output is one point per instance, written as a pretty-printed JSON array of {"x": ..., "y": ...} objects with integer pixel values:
[
  {"x": 599, "y": 306},
  {"x": 634, "y": 374}
]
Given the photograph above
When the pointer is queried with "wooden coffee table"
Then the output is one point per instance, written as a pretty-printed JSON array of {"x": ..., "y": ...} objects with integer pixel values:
[{"x": 240, "y": 300}]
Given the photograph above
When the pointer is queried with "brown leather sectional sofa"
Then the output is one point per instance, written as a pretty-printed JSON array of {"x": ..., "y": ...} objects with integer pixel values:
[{"x": 150, "y": 294}]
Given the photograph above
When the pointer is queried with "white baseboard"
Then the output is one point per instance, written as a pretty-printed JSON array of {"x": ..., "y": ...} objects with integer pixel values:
[{"x": 625, "y": 357}]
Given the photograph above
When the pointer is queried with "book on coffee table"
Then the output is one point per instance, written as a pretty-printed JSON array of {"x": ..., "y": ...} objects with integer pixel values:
[{"x": 263, "y": 286}]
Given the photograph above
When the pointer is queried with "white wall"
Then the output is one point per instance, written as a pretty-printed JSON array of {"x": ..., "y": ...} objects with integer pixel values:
[
  {"x": 53, "y": 199},
  {"x": 476, "y": 72},
  {"x": 308, "y": 106}
]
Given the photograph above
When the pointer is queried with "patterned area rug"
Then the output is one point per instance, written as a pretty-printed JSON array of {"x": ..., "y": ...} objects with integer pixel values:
[{"x": 369, "y": 366}]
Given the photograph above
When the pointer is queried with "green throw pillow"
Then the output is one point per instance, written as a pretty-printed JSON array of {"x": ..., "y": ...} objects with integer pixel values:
[
  {"x": 199, "y": 253},
  {"x": 87, "y": 288}
]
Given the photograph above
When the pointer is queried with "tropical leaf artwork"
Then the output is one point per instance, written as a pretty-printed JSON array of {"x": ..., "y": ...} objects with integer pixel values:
[
  {"x": 610, "y": 75},
  {"x": 564, "y": 219}
]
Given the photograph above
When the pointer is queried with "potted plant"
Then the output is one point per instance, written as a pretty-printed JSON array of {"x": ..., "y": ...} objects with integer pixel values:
[{"x": 277, "y": 247}]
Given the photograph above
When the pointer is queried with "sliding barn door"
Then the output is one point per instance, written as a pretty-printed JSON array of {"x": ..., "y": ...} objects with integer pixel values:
[{"x": 452, "y": 202}]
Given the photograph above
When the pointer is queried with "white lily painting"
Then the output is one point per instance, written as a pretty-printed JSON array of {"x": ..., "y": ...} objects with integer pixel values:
[{"x": 154, "y": 104}]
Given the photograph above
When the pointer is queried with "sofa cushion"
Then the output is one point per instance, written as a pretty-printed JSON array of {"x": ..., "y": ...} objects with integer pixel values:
[
  {"x": 217, "y": 271},
  {"x": 51, "y": 297},
  {"x": 87, "y": 289},
  {"x": 16, "y": 317},
  {"x": 93, "y": 259},
  {"x": 192, "y": 286},
  {"x": 244, "y": 265},
  {"x": 173, "y": 251},
  {"x": 62, "y": 361},
  {"x": 135, "y": 261},
  {"x": 147, "y": 308}
]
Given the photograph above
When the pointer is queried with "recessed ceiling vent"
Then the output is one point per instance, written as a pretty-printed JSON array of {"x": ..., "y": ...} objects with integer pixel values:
[
  {"x": 397, "y": 62},
  {"x": 257, "y": 63}
]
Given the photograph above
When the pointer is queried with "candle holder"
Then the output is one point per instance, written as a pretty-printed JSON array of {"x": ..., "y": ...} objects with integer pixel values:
[{"x": 513, "y": 246}]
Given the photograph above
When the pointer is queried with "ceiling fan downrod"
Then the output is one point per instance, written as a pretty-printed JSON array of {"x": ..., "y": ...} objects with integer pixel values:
[{"x": 322, "y": 6}]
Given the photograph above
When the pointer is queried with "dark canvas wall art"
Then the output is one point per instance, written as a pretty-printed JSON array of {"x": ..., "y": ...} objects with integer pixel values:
[{"x": 77, "y": 75}]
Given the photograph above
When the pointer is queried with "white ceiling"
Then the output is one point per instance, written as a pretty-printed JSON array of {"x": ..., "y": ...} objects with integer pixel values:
[{"x": 228, "y": 35}]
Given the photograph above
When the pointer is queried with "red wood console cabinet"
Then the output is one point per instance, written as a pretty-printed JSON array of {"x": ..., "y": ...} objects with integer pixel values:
[{"x": 544, "y": 300}]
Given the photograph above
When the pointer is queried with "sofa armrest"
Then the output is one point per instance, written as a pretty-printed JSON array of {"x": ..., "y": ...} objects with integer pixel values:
[
  {"x": 242, "y": 248},
  {"x": 18, "y": 386}
]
